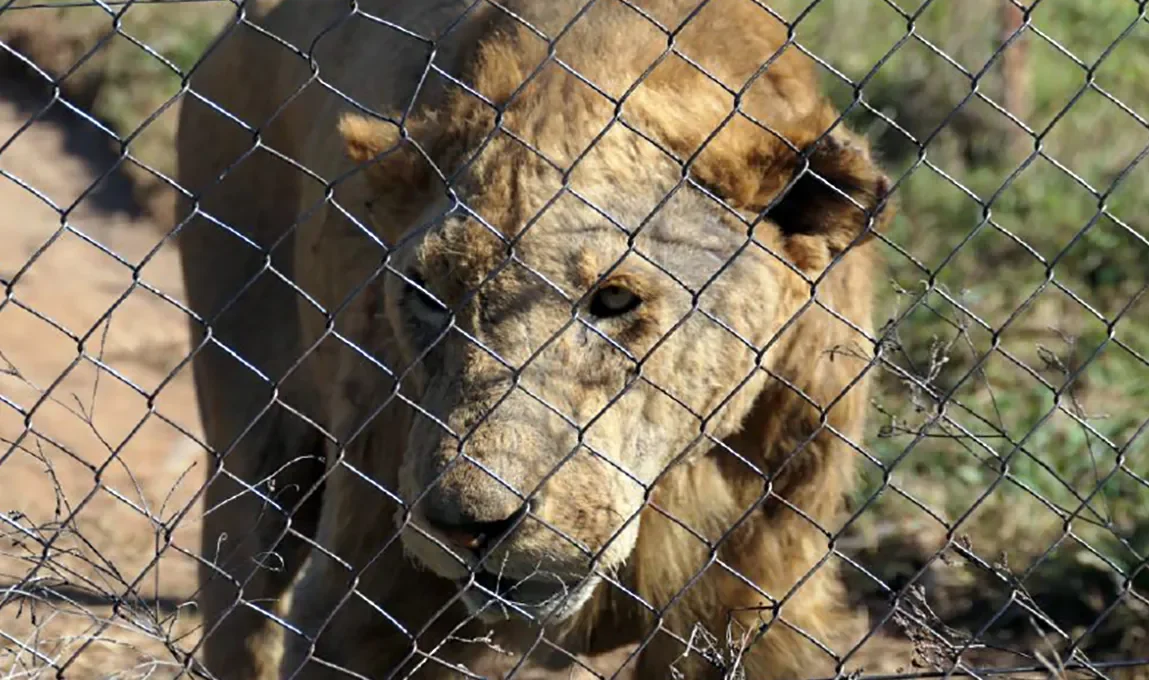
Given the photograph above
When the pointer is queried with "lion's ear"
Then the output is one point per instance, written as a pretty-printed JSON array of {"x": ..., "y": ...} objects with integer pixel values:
[
  {"x": 823, "y": 191},
  {"x": 837, "y": 194},
  {"x": 393, "y": 166}
]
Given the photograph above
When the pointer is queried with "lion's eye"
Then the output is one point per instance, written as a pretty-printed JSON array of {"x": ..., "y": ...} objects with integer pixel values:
[{"x": 611, "y": 301}]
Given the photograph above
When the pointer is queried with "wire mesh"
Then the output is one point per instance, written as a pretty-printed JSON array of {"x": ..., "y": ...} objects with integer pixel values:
[{"x": 590, "y": 345}]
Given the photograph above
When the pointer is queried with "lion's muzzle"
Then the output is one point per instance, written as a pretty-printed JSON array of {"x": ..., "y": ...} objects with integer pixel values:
[
  {"x": 471, "y": 531},
  {"x": 496, "y": 585}
]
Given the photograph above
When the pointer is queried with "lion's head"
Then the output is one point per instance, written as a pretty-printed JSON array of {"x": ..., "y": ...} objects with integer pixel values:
[{"x": 573, "y": 313}]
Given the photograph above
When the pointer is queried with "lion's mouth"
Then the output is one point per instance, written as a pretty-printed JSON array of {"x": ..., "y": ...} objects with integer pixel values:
[
  {"x": 501, "y": 594},
  {"x": 533, "y": 590}
]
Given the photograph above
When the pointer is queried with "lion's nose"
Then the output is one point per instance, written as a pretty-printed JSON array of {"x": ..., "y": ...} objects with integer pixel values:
[{"x": 470, "y": 532}]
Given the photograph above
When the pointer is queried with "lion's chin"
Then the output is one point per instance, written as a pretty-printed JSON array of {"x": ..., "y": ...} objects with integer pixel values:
[{"x": 540, "y": 598}]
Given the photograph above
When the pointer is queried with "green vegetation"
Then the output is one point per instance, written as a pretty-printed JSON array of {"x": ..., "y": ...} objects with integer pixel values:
[{"x": 1010, "y": 258}]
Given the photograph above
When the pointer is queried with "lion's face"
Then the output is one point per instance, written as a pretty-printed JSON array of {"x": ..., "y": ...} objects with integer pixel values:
[
  {"x": 558, "y": 372},
  {"x": 567, "y": 332}
]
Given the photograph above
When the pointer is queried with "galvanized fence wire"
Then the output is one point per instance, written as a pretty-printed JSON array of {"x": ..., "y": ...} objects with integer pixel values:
[{"x": 41, "y": 563}]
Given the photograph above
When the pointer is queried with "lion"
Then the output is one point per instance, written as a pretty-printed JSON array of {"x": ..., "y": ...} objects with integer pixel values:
[{"x": 525, "y": 331}]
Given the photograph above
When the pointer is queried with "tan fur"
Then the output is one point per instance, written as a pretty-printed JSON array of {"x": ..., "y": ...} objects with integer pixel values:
[{"x": 703, "y": 473}]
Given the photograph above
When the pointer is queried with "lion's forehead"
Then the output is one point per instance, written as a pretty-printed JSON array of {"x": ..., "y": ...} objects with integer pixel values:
[{"x": 570, "y": 248}]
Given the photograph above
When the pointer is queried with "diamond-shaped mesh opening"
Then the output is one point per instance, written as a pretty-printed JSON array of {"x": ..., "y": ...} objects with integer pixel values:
[{"x": 529, "y": 339}]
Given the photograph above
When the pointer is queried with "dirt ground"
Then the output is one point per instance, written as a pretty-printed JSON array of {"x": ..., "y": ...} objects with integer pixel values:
[{"x": 93, "y": 473}]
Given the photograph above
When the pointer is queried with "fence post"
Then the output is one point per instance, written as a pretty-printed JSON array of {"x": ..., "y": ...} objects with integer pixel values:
[{"x": 1015, "y": 77}]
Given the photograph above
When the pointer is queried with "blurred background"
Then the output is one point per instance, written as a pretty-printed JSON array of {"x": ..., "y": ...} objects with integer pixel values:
[
  {"x": 1005, "y": 466},
  {"x": 1017, "y": 292}
]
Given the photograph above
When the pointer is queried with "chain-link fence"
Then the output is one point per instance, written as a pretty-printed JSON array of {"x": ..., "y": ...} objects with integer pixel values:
[{"x": 577, "y": 338}]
